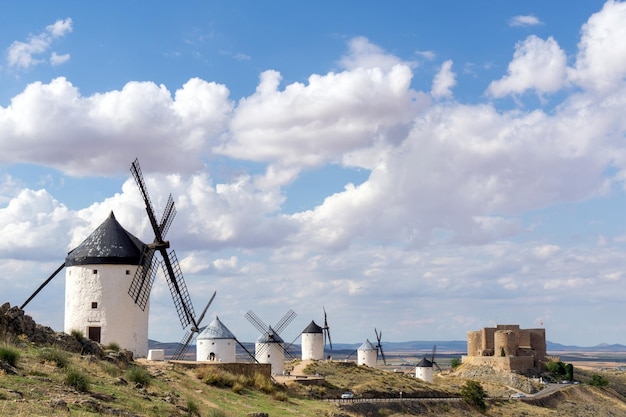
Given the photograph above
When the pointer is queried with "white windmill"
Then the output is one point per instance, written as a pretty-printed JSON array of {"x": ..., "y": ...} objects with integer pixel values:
[
  {"x": 314, "y": 340},
  {"x": 424, "y": 368},
  {"x": 367, "y": 354},
  {"x": 216, "y": 343},
  {"x": 98, "y": 274},
  {"x": 112, "y": 264},
  {"x": 270, "y": 347}
]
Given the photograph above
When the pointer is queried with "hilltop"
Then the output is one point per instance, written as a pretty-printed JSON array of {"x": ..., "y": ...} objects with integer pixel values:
[{"x": 46, "y": 372}]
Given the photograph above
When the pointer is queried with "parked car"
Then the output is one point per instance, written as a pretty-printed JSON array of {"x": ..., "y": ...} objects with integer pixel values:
[
  {"x": 518, "y": 395},
  {"x": 347, "y": 395}
]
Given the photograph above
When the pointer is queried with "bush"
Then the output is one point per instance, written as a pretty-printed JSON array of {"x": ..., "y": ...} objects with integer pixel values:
[
  {"x": 474, "y": 394},
  {"x": 9, "y": 355},
  {"x": 455, "y": 362},
  {"x": 238, "y": 388},
  {"x": 113, "y": 346},
  {"x": 56, "y": 356},
  {"x": 192, "y": 408},
  {"x": 139, "y": 375},
  {"x": 77, "y": 334},
  {"x": 599, "y": 381},
  {"x": 77, "y": 379}
]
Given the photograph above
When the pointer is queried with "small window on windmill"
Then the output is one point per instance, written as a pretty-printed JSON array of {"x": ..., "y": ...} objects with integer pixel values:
[
  {"x": 128, "y": 272},
  {"x": 95, "y": 271},
  {"x": 94, "y": 304}
]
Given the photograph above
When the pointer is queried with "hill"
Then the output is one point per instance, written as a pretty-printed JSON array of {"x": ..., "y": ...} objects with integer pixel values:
[{"x": 43, "y": 372}]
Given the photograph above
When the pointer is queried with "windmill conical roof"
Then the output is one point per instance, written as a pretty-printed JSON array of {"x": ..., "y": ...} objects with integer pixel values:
[
  {"x": 109, "y": 244},
  {"x": 425, "y": 363},
  {"x": 216, "y": 330},
  {"x": 367, "y": 345},
  {"x": 312, "y": 328},
  {"x": 270, "y": 337}
]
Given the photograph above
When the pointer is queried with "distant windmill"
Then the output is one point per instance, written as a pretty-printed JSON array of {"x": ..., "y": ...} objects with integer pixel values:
[
  {"x": 191, "y": 334},
  {"x": 270, "y": 347},
  {"x": 424, "y": 368},
  {"x": 314, "y": 340}
]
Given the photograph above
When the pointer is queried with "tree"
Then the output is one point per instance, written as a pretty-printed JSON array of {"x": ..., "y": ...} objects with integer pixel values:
[
  {"x": 474, "y": 394},
  {"x": 455, "y": 362}
]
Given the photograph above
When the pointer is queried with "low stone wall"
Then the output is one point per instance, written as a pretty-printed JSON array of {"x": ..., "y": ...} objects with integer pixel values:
[{"x": 246, "y": 369}]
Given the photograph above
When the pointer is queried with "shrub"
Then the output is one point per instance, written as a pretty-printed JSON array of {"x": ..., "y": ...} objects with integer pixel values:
[
  {"x": 455, "y": 362},
  {"x": 110, "y": 369},
  {"x": 263, "y": 384},
  {"x": 474, "y": 394},
  {"x": 113, "y": 346},
  {"x": 599, "y": 381},
  {"x": 9, "y": 355},
  {"x": 192, "y": 408},
  {"x": 77, "y": 379},
  {"x": 77, "y": 334},
  {"x": 138, "y": 375},
  {"x": 280, "y": 396},
  {"x": 238, "y": 388},
  {"x": 56, "y": 356}
]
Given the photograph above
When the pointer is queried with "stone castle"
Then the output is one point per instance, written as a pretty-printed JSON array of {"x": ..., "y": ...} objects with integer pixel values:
[{"x": 507, "y": 347}]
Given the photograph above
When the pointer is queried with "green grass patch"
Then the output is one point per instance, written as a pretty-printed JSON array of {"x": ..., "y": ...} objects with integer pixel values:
[
  {"x": 60, "y": 358},
  {"x": 77, "y": 379},
  {"x": 139, "y": 375}
]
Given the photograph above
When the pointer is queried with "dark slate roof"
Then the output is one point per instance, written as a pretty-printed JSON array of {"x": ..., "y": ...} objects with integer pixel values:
[
  {"x": 215, "y": 330},
  {"x": 425, "y": 363},
  {"x": 312, "y": 328},
  {"x": 109, "y": 244}
]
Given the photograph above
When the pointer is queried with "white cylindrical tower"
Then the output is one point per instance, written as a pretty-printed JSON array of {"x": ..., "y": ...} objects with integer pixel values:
[
  {"x": 216, "y": 343},
  {"x": 424, "y": 370},
  {"x": 98, "y": 275},
  {"x": 270, "y": 348},
  {"x": 312, "y": 342},
  {"x": 367, "y": 354}
]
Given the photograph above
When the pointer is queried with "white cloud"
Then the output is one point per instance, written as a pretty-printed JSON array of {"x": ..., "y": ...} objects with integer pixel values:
[
  {"x": 537, "y": 65},
  {"x": 56, "y": 59},
  {"x": 444, "y": 80},
  {"x": 601, "y": 59},
  {"x": 23, "y": 55},
  {"x": 524, "y": 20}
]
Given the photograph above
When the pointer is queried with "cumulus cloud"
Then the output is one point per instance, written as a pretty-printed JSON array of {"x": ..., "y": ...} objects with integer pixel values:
[
  {"x": 539, "y": 65},
  {"x": 23, "y": 55},
  {"x": 444, "y": 80}
]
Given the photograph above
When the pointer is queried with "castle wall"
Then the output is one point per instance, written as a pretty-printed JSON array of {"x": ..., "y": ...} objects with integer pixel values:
[{"x": 474, "y": 343}]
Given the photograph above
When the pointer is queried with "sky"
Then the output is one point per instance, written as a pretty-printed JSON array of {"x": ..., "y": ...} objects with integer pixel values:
[{"x": 425, "y": 169}]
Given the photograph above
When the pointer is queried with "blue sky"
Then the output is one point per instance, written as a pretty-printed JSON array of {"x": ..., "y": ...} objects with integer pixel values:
[{"x": 426, "y": 169}]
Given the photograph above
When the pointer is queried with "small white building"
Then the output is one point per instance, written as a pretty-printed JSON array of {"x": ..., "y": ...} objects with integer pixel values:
[
  {"x": 216, "y": 343},
  {"x": 312, "y": 342},
  {"x": 367, "y": 354},
  {"x": 424, "y": 370},
  {"x": 270, "y": 348},
  {"x": 98, "y": 275}
]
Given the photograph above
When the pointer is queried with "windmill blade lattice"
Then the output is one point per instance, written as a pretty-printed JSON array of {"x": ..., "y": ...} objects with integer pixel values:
[
  {"x": 144, "y": 277},
  {"x": 379, "y": 346},
  {"x": 326, "y": 330},
  {"x": 192, "y": 334}
]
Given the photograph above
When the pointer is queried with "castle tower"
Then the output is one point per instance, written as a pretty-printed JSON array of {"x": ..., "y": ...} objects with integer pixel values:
[
  {"x": 312, "y": 342},
  {"x": 98, "y": 275},
  {"x": 216, "y": 343},
  {"x": 367, "y": 354}
]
